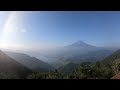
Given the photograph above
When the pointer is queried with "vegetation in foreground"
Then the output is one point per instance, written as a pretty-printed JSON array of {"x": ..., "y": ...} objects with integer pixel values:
[
  {"x": 104, "y": 69},
  {"x": 86, "y": 70}
]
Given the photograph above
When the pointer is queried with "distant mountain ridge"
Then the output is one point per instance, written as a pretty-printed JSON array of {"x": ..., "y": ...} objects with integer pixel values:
[
  {"x": 76, "y": 52},
  {"x": 30, "y": 62}
]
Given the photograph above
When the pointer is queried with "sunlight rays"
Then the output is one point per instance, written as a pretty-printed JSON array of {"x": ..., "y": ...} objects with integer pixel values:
[{"x": 10, "y": 29}]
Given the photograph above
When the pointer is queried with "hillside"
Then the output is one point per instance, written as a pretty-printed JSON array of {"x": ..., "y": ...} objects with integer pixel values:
[
  {"x": 69, "y": 68},
  {"x": 92, "y": 56},
  {"x": 30, "y": 62},
  {"x": 112, "y": 57},
  {"x": 10, "y": 69}
]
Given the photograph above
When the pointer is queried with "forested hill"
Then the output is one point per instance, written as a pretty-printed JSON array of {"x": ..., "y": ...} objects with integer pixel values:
[
  {"x": 11, "y": 69},
  {"x": 30, "y": 62},
  {"x": 112, "y": 57}
]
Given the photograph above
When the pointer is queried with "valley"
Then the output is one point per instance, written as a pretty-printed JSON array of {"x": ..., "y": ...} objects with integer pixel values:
[
  {"x": 59, "y": 45},
  {"x": 78, "y": 62}
]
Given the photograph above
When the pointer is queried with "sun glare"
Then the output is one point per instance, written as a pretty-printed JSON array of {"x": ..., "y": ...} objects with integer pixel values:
[{"x": 9, "y": 29}]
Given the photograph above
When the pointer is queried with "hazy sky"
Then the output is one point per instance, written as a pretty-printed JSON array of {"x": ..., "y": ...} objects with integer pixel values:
[{"x": 46, "y": 29}]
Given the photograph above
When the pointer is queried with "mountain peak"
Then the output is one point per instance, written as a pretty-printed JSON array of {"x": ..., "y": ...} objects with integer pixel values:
[{"x": 79, "y": 43}]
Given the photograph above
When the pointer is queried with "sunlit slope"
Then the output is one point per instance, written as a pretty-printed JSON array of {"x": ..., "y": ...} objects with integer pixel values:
[
  {"x": 10, "y": 69},
  {"x": 30, "y": 62}
]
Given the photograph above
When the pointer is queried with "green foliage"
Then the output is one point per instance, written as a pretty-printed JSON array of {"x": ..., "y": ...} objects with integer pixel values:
[
  {"x": 102, "y": 71},
  {"x": 49, "y": 75},
  {"x": 82, "y": 71},
  {"x": 116, "y": 66}
]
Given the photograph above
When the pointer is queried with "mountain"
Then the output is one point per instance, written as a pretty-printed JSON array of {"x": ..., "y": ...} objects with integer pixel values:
[
  {"x": 11, "y": 69},
  {"x": 30, "y": 62},
  {"x": 112, "y": 57},
  {"x": 75, "y": 53},
  {"x": 75, "y": 49},
  {"x": 81, "y": 44}
]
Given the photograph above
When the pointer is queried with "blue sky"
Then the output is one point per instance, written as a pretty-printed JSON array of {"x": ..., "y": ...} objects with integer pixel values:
[{"x": 58, "y": 28}]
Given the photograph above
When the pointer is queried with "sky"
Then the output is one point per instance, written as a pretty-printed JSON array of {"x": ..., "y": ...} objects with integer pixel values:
[{"x": 49, "y": 29}]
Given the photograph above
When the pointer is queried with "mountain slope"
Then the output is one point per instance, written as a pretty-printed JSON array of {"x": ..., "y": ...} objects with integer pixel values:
[
  {"x": 10, "y": 69},
  {"x": 69, "y": 68},
  {"x": 30, "y": 62},
  {"x": 90, "y": 56},
  {"x": 112, "y": 57}
]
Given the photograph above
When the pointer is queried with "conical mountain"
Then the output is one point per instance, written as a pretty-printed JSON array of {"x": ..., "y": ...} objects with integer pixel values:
[{"x": 81, "y": 44}]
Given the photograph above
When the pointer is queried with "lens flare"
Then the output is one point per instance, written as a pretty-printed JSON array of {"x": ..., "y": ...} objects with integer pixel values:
[{"x": 10, "y": 29}]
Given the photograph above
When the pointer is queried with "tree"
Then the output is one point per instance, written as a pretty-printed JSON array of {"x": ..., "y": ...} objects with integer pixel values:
[{"x": 116, "y": 66}]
